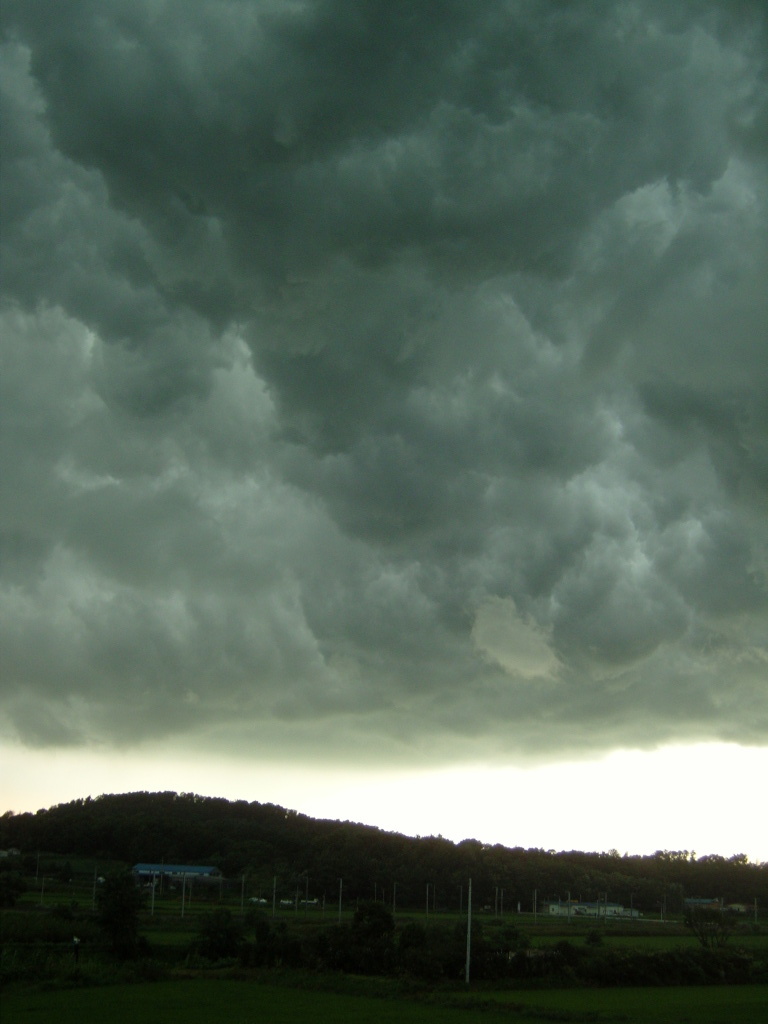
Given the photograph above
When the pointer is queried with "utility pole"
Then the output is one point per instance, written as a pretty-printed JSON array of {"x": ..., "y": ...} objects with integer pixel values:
[{"x": 469, "y": 932}]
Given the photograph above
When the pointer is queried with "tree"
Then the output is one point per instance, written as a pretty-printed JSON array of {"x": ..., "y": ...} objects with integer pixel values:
[
  {"x": 372, "y": 935},
  {"x": 119, "y": 904},
  {"x": 711, "y": 926}
]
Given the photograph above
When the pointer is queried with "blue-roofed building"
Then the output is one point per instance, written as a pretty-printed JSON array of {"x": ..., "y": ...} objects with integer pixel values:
[{"x": 702, "y": 903}]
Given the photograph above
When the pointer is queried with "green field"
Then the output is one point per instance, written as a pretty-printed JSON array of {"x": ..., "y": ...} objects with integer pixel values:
[
  {"x": 725, "y": 1004},
  {"x": 241, "y": 1002},
  {"x": 208, "y": 1002}
]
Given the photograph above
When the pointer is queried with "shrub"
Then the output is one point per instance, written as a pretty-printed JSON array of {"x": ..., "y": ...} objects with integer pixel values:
[
  {"x": 12, "y": 885},
  {"x": 219, "y": 936}
]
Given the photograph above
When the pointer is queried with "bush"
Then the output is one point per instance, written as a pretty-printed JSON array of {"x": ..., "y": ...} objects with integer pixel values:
[
  {"x": 219, "y": 936},
  {"x": 48, "y": 926},
  {"x": 12, "y": 885},
  {"x": 671, "y": 967},
  {"x": 54, "y": 967}
]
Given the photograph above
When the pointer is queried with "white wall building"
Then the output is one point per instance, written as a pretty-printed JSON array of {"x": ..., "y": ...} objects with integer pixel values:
[{"x": 582, "y": 909}]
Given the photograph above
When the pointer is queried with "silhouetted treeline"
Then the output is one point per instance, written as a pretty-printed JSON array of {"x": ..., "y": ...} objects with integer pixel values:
[{"x": 264, "y": 841}]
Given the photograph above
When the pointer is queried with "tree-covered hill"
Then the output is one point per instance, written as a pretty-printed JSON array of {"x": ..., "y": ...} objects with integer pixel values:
[{"x": 263, "y": 841}]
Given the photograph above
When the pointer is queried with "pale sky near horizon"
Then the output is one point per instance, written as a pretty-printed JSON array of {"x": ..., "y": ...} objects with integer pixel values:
[
  {"x": 384, "y": 397},
  {"x": 676, "y": 798}
]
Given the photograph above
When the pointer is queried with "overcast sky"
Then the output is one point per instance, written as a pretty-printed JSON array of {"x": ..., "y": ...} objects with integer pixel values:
[{"x": 384, "y": 383}]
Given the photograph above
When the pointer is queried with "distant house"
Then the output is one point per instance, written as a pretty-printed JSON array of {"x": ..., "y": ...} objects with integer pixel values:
[
  {"x": 174, "y": 872},
  {"x": 702, "y": 903}
]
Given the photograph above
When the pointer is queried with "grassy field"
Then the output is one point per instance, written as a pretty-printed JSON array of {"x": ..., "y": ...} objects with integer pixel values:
[
  {"x": 210, "y": 1002},
  {"x": 240, "y": 1002},
  {"x": 725, "y": 1004}
]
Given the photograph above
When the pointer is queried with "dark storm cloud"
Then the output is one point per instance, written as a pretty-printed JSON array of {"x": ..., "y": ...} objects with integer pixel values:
[{"x": 394, "y": 365}]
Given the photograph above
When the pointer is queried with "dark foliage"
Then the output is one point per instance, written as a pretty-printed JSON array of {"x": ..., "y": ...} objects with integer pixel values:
[
  {"x": 119, "y": 904},
  {"x": 219, "y": 936},
  {"x": 711, "y": 926},
  {"x": 372, "y": 936},
  {"x": 12, "y": 885},
  {"x": 671, "y": 967}
]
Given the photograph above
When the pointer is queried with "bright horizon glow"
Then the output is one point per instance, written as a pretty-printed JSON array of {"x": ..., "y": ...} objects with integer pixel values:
[{"x": 696, "y": 798}]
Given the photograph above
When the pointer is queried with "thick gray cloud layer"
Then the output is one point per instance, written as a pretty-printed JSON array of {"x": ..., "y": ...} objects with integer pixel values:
[{"x": 385, "y": 376}]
